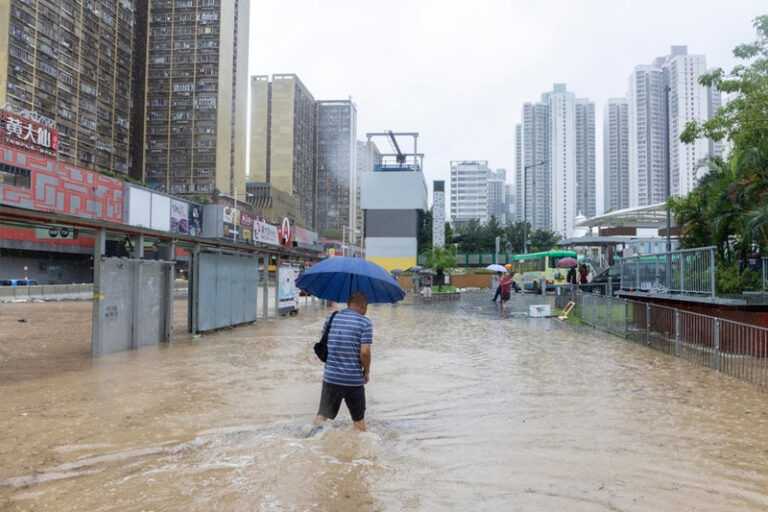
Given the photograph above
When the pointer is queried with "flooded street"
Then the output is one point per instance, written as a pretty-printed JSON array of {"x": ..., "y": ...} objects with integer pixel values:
[{"x": 467, "y": 410}]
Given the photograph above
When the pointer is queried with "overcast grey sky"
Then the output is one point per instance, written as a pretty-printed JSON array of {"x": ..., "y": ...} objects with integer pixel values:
[{"x": 458, "y": 72}]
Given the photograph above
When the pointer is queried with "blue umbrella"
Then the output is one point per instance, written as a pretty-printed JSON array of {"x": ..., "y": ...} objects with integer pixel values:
[{"x": 335, "y": 278}]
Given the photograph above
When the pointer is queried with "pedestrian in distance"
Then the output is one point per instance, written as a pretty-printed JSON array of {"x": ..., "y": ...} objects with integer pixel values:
[
  {"x": 348, "y": 366},
  {"x": 571, "y": 277},
  {"x": 506, "y": 290},
  {"x": 496, "y": 280},
  {"x": 427, "y": 285},
  {"x": 583, "y": 272}
]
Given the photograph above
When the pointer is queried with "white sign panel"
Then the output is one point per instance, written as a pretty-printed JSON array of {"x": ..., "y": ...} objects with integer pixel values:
[
  {"x": 161, "y": 212},
  {"x": 288, "y": 294},
  {"x": 265, "y": 233}
]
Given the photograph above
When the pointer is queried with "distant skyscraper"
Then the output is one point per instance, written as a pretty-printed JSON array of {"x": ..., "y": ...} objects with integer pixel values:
[
  {"x": 511, "y": 207},
  {"x": 663, "y": 97},
  {"x": 438, "y": 213},
  {"x": 562, "y": 158},
  {"x": 469, "y": 190},
  {"x": 336, "y": 164},
  {"x": 496, "y": 195},
  {"x": 70, "y": 62},
  {"x": 555, "y": 165},
  {"x": 616, "y": 154},
  {"x": 586, "y": 187},
  {"x": 283, "y": 138},
  {"x": 196, "y": 96},
  {"x": 647, "y": 136},
  {"x": 533, "y": 177}
]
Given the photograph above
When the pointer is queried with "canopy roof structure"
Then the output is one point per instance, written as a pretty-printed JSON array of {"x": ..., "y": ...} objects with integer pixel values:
[{"x": 652, "y": 216}]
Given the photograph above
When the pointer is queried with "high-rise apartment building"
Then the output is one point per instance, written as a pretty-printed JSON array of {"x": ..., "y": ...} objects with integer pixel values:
[
  {"x": 616, "y": 154},
  {"x": 647, "y": 136},
  {"x": 511, "y": 207},
  {"x": 663, "y": 97},
  {"x": 336, "y": 167},
  {"x": 196, "y": 87},
  {"x": 562, "y": 158},
  {"x": 283, "y": 138},
  {"x": 497, "y": 195},
  {"x": 586, "y": 186},
  {"x": 555, "y": 165},
  {"x": 68, "y": 63},
  {"x": 532, "y": 174},
  {"x": 469, "y": 190}
]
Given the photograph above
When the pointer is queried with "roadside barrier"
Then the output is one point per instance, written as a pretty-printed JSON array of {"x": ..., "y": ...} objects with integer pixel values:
[{"x": 733, "y": 348}]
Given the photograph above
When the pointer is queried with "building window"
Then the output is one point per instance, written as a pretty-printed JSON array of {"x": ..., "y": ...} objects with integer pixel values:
[{"x": 14, "y": 176}]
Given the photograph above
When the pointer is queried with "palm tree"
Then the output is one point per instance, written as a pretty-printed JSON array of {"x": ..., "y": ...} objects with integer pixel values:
[{"x": 441, "y": 260}]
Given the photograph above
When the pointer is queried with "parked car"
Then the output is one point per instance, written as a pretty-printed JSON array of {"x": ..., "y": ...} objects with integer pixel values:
[
  {"x": 599, "y": 283},
  {"x": 18, "y": 282}
]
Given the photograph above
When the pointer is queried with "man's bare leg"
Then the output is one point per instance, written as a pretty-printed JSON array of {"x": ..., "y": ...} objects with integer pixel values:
[
  {"x": 360, "y": 425},
  {"x": 319, "y": 420}
]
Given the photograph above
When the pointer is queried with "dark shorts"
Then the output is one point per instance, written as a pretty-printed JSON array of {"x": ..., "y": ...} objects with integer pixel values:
[
  {"x": 505, "y": 296},
  {"x": 333, "y": 394}
]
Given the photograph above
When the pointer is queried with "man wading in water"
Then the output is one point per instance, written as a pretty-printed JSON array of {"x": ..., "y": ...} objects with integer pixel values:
[{"x": 348, "y": 366}]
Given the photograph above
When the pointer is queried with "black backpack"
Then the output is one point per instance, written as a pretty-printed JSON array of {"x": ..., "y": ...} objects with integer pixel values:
[{"x": 321, "y": 347}]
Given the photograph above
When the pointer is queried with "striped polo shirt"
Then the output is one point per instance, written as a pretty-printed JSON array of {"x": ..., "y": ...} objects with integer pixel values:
[{"x": 348, "y": 331}]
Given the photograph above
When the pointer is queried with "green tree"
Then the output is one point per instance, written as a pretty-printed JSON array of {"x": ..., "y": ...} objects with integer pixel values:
[
  {"x": 490, "y": 231},
  {"x": 449, "y": 234},
  {"x": 441, "y": 260},
  {"x": 425, "y": 232},
  {"x": 514, "y": 235},
  {"x": 543, "y": 240},
  {"x": 471, "y": 236},
  {"x": 743, "y": 119},
  {"x": 726, "y": 209}
]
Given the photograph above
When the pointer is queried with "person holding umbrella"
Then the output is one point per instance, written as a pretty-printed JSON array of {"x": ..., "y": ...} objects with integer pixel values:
[
  {"x": 350, "y": 334},
  {"x": 348, "y": 367}
]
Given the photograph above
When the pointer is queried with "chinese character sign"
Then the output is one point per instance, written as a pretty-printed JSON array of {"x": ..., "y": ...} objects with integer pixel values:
[{"x": 26, "y": 134}]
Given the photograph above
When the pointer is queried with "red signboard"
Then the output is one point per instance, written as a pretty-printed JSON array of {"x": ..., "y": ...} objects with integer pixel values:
[{"x": 28, "y": 135}]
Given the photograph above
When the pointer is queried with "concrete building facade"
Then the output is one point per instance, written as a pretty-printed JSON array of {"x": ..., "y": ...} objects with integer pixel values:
[
  {"x": 497, "y": 206},
  {"x": 663, "y": 97},
  {"x": 283, "y": 138},
  {"x": 336, "y": 167},
  {"x": 586, "y": 172},
  {"x": 532, "y": 174},
  {"x": 368, "y": 156},
  {"x": 394, "y": 203},
  {"x": 438, "y": 213},
  {"x": 469, "y": 190},
  {"x": 196, "y": 94},
  {"x": 69, "y": 63},
  {"x": 616, "y": 155}
]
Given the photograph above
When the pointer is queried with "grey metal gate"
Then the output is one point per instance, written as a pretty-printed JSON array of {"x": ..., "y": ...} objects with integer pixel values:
[{"x": 224, "y": 290}]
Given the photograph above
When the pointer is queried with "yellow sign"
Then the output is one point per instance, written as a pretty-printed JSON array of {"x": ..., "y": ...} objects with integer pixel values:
[{"x": 331, "y": 252}]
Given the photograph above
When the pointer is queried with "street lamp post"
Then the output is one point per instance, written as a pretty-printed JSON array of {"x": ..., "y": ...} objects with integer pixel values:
[{"x": 525, "y": 203}]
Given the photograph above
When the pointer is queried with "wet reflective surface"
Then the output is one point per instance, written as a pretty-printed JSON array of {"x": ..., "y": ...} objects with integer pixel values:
[{"x": 467, "y": 410}]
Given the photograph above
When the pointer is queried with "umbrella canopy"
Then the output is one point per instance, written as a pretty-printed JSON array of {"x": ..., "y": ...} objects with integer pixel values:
[
  {"x": 395, "y": 271},
  {"x": 415, "y": 268},
  {"x": 566, "y": 263},
  {"x": 496, "y": 268},
  {"x": 335, "y": 278},
  {"x": 429, "y": 272}
]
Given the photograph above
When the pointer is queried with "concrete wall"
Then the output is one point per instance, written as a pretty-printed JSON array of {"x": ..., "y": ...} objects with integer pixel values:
[{"x": 459, "y": 281}]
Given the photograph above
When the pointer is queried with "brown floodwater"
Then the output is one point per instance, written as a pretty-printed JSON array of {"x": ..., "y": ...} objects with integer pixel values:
[{"x": 467, "y": 410}]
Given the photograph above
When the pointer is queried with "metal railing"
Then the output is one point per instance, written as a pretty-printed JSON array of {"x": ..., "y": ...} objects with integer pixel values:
[
  {"x": 765, "y": 273},
  {"x": 733, "y": 348},
  {"x": 685, "y": 272}
]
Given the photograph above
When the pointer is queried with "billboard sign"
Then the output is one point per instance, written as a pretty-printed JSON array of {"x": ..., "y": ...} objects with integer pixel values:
[
  {"x": 288, "y": 294},
  {"x": 29, "y": 135},
  {"x": 265, "y": 233},
  {"x": 238, "y": 224},
  {"x": 285, "y": 232}
]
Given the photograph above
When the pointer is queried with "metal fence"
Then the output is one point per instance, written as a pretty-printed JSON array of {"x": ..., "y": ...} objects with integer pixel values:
[
  {"x": 765, "y": 274},
  {"x": 687, "y": 271},
  {"x": 736, "y": 349}
]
